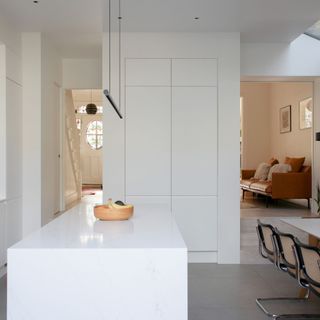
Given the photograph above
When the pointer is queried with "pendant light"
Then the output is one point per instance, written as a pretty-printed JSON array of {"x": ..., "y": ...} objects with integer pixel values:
[
  {"x": 91, "y": 108},
  {"x": 107, "y": 92}
]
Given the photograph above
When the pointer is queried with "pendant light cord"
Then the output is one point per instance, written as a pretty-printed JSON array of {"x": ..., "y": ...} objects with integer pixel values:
[
  {"x": 120, "y": 18},
  {"x": 119, "y": 44},
  {"x": 110, "y": 46}
]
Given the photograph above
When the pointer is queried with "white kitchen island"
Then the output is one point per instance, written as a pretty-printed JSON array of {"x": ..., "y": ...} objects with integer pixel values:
[{"x": 77, "y": 267}]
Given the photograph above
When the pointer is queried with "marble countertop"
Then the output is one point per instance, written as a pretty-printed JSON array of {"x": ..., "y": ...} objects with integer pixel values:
[
  {"x": 150, "y": 227},
  {"x": 309, "y": 225}
]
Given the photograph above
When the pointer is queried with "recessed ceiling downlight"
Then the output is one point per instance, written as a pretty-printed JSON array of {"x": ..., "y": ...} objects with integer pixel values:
[
  {"x": 196, "y": 18},
  {"x": 35, "y": 1}
]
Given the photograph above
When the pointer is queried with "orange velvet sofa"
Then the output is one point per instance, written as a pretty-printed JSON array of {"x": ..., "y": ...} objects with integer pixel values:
[{"x": 291, "y": 185}]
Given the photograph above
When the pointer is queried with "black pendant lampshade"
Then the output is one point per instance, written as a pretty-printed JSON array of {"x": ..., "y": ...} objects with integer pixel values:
[{"x": 91, "y": 108}]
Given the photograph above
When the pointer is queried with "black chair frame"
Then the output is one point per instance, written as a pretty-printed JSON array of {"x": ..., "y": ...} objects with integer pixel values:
[{"x": 282, "y": 264}]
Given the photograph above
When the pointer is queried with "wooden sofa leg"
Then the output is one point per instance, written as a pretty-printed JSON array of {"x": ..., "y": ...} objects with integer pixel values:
[
  {"x": 243, "y": 191},
  {"x": 308, "y": 203}
]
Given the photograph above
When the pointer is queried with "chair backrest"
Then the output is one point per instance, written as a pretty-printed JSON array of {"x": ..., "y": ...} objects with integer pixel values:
[
  {"x": 287, "y": 260},
  {"x": 309, "y": 263},
  {"x": 265, "y": 233}
]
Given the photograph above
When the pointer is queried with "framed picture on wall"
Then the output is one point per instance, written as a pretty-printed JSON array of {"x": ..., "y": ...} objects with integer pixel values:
[
  {"x": 305, "y": 113},
  {"x": 285, "y": 119}
]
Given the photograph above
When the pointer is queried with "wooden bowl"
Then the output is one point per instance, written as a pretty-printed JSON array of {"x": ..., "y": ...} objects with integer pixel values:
[{"x": 110, "y": 213}]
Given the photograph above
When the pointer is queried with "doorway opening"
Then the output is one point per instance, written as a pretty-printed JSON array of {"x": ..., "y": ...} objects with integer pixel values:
[
  {"x": 83, "y": 144},
  {"x": 276, "y": 140}
]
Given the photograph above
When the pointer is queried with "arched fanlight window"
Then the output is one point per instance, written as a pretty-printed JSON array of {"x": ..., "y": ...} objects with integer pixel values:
[{"x": 95, "y": 134}]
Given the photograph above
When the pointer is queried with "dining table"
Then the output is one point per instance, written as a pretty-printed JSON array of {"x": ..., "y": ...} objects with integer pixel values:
[{"x": 310, "y": 225}]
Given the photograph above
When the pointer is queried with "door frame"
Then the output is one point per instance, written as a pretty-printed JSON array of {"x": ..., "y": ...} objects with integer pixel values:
[{"x": 62, "y": 148}]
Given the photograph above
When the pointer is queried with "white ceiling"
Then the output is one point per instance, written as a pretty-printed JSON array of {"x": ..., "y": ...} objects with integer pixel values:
[{"x": 76, "y": 25}]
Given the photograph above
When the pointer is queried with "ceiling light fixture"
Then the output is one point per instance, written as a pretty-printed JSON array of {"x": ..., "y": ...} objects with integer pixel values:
[
  {"x": 196, "y": 18},
  {"x": 91, "y": 108},
  {"x": 35, "y": 1},
  {"x": 107, "y": 92}
]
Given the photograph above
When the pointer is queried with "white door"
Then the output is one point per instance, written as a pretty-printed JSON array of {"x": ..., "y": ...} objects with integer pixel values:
[{"x": 91, "y": 149}]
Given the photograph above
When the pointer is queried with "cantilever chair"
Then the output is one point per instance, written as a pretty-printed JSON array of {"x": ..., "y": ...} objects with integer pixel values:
[
  {"x": 267, "y": 248},
  {"x": 287, "y": 261},
  {"x": 284, "y": 259},
  {"x": 308, "y": 259}
]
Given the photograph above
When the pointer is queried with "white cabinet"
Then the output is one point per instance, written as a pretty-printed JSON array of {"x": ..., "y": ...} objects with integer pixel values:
[
  {"x": 171, "y": 143},
  {"x": 194, "y": 141},
  {"x": 194, "y": 72},
  {"x": 148, "y": 72},
  {"x": 197, "y": 220},
  {"x": 161, "y": 203},
  {"x": 148, "y": 141},
  {"x": 3, "y": 245}
]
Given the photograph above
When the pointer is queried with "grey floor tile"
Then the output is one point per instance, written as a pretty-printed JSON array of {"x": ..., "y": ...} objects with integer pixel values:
[{"x": 3, "y": 298}]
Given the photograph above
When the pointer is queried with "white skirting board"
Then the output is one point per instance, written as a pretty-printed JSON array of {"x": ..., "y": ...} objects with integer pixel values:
[
  {"x": 71, "y": 197},
  {"x": 202, "y": 257}
]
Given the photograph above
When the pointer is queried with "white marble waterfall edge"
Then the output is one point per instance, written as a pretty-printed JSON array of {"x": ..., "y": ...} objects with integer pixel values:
[{"x": 100, "y": 273}]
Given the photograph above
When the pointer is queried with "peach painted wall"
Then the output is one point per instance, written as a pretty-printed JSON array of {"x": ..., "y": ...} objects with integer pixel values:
[
  {"x": 261, "y": 128},
  {"x": 297, "y": 143}
]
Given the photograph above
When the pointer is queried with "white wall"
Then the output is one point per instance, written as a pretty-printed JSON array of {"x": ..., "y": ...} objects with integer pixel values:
[
  {"x": 3, "y": 108},
  {"x": 255, "y": 123},
  {"x": 316, "y": 144},
  {"x": 299, "y": 58},
  {"x": 32, "y": 116},
  {"x": 225, "y": 48},
  {"x": 42, "y": 78},
  {"x": 51, "y": 83},
  {"x": 82, "y": 73},
  {"x": 11, "y": 137}
]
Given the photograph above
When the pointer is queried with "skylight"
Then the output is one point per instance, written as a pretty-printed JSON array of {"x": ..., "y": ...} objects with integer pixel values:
[{"x": 314, "y": 31}]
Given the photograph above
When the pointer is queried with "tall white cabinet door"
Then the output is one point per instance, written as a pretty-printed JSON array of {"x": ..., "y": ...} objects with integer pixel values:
[
  {"x": 197, "y": 220},
  {"x": 194, "y": 141},
  {"x": 148, "y": 141}
]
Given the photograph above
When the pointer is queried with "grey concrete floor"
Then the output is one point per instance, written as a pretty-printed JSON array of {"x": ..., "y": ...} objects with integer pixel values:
[{"x": 228, "y": 292}]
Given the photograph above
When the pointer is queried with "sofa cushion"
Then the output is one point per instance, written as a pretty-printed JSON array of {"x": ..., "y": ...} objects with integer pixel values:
[
  {"x": 295, "y": 163},
  {"x": 247, "y": 182},
  {"x": 262, "y": 171},
  {"x": 262, "y": 186},
  {"x": 273, "y": 161},
  {"x": 280, "y": 167}
]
